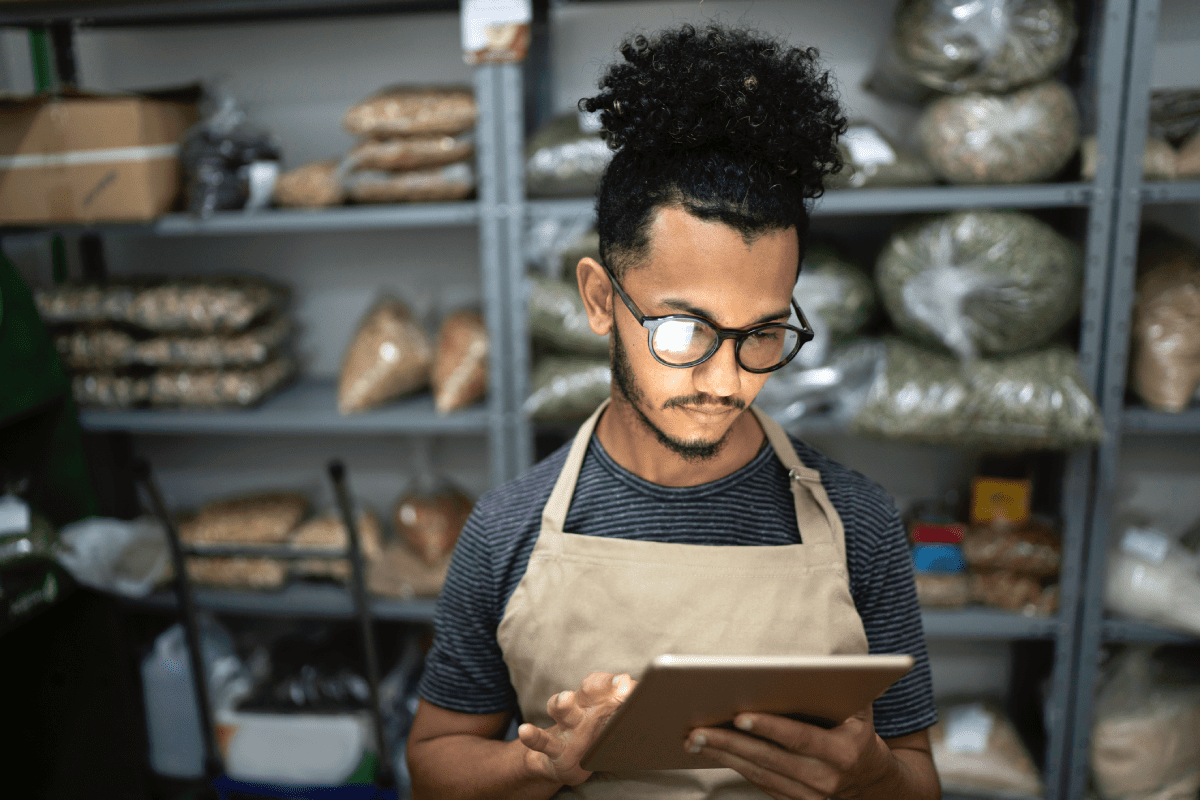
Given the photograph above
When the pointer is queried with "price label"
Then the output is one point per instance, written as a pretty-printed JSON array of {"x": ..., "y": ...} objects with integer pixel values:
[{"x": 495, "y": 31}]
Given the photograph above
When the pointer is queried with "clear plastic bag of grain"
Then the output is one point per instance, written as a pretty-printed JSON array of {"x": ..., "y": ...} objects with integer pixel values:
[
  {"x": 978, "y": 45},
  {"x": 327, "y": 532},
  {"x": 389, "y": 356},
  {"x": 411, "y": 152},
  {"x": 460, "y": 363},
  {"x": 1014, "y": 591},
  {"x": 566, "y": 157},
  {"x": 1033, "y": 549},
  {"x": 1024, "y": 137},
  {"x": 977, "y": 751},
  {"x": 111, "y": 348},
  {"x": 429, "y": 522},
  {"x": 193, "y": 305},
  {"x": 870, "y": 160},
  {"x": 567, "y": 388},
  {"x": 440, "y": 184},
  {"x": 237, "y": 572},
  {"x": 110, "y": 390},
  {"x": 412, "y": 111},
  {"x": 980, "y": 282},
  {"x": 1032, "y": 401},
  {"x": 264, "y": 518},
  {"x": 558, "y": 319},
  {"x": 1160, "y": 162},
  {"x": 219, "y": 388},
  {"x": 1165, "y": 362},
  {"x": 316, "y": 185}
]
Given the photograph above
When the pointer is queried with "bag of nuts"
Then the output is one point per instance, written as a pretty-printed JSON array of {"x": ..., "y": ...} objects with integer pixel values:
[
  {"x": 389, "y": 356},
  {"x": 460, "y": 365},
  {"x": 409, "y": 111},
  {"x": 429, "y": 523}
]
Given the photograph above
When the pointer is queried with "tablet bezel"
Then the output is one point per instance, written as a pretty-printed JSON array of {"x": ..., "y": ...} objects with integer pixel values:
[{"x": 680, "y": 692}]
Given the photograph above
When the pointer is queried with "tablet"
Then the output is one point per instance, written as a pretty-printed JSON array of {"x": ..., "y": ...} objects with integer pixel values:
[{"x": 679, "y": 693}]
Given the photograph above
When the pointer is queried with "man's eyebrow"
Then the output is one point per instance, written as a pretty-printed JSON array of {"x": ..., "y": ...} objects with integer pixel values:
[{"x": 695, "y": 311}]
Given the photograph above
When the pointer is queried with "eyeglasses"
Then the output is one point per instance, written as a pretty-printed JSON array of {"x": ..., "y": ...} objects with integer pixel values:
[{"x": 682, "y": 340}]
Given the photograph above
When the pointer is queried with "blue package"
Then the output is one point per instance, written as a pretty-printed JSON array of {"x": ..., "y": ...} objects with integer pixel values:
[{"x": 938, "y": 558}]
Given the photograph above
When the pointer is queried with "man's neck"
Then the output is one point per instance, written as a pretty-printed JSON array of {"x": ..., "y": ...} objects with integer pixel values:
[{"x": 633, "y": 445}]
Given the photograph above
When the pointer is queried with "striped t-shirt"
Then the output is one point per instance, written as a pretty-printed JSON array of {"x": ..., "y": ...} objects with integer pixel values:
[{"x": 753, "y": 506}]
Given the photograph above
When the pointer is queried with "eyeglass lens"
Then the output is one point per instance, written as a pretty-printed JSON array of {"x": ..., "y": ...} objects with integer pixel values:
[{"x": 680, "y": 341}]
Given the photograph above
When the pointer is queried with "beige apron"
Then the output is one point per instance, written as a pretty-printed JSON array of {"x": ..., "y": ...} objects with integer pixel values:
[{"x": 596, "y": 604}]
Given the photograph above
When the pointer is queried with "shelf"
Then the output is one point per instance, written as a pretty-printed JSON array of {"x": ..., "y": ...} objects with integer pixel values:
[
  {"x": 987, "y": 623},
  {"x": 294, "y": 600},
  {"x": 1121, "y": 630},
  {"x": 305, "y": 407},
  {"x": 1171, "y": 192},
  {"x": 32, "y": 13},
  {"x": 889, "y": 201},
  {"x": 1143, "y": 420}
]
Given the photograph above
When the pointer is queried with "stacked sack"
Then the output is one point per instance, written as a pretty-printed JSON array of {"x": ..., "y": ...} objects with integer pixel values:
[
  {"x": 391, "y": 356},
  {"x": 1172, "y": 149},
  {"x": 416, "y": 145},
  {"x": 196, "y": 343},
  {"x": 1001, "y": 117},
  {"x": 287, "y": 541}
]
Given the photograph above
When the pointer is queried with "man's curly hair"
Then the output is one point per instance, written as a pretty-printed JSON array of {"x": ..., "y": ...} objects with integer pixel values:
[{"x": 729, "y": 124}]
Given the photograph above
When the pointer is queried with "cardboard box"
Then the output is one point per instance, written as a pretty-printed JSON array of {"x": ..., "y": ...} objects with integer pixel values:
[
  {"x": 1000, "y": 500},
  {"x": 91, "y": 158}
]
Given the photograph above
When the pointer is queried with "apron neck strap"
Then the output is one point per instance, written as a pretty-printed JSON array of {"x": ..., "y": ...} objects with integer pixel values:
[{"x": 554, "y": 515}]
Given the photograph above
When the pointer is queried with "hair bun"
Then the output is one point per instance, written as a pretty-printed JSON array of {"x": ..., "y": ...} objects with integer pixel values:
[{"x": 725, "y": 89}]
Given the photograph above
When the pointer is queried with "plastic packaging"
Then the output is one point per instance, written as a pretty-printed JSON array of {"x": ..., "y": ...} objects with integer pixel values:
[
  {"x": 940, "y": 558},
  {"x": 565, "y": 157},
  {"x": 1023, "y": 137},
  {"x": 228, "y": 163},
  {"x": 192, "y": 305},
  {"x": 453, "y": 182},
  {"x": 316, "y": 185},
  {"x": 412, "y": 111},
  {"x": 1013, "y": 591},
  {"x": 411, "y": 152},
  {"x": 558, "y": 319},
  {"x": 871, "y": 160},
  {"x": 107, "y": 348},
  {"x": 838, "y": 298},
  {"x": 114, "y": 555},
  {"x": 237, "y": 572},
  {"x": 199, "y": 389},
  {"x": 460, "y": 363},
  {"x": 1145, "y": 740},
  {"x": 327, "y": 532},
  {"x": 258, "y": 519},
  {"x": 389, "y": 356},
  {"x": 1166, "y": 322},
  {"x": 567, "y": 388},
  {"x": 401, "y": 573},
  {"x": 976, "y": 750},
  {"x": 1034, "y": 401},
  {"x": 1160, "y": 162},
  {"x": 1034, "y": 549},
  {"x": 837, "y": 388},
  {"x": 172, "y": 718},
  {"x": 1151, "y": 577},
  {"x": 993, "y": 45},
  {"x": 980, "y": 282},
  {"x": 951, "y": 590},
  {"x": 429, "y": 523}
]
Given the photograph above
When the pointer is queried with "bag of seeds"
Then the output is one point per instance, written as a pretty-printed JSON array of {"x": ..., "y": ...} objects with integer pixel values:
[
  {"x": 111, "y": 348},
  {"x": 460, "y": 363},
  {"x": 565, "y": 159},
  {"x": 411, "y": 152},
  {"x": 327, "y": 532},
  {"x": 980, "y": 282},
  {"x": 183, "y": 388},
  {"x": 1033, "y": 401},
  {"x": 258, "y": 519},
  {"x": 1033, "y": 549},
  {"x": 959, "y": 46},
  {"x": 430, "y": 522},
  {"x": 1023, "y": 137},
  {"x": 409, "y": 111},
  {"x": 871, "y": 160},
  {"x": 316, "y": 185},
  {"x": 567, "y": 388},
  {"x": 1166, "y": 322},
  {"x": 558, "y": 319},
  {"x": 389, "y": 356},
  {"x": 439, "y": 184},
  {"x": 838, "y": 298},
  {"x": 237, "y": 572}
]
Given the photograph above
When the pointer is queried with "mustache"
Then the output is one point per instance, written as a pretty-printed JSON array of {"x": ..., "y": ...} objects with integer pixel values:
[{"x": 704, "y": 400}]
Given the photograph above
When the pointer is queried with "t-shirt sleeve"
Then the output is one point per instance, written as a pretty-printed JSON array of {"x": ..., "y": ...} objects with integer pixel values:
[
  {"x": 886, "y": 597},
  {"x": 465, "y": 669}
]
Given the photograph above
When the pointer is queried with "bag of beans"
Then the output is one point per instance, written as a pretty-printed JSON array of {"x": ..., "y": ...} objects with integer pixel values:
[
  {"x": 409, "y": 111},
  {"x": 977, "y": 751},
  {"x": 1023, "y": 137},
  {"x": 567, "y": 388},
  {"x": 460, "y": 363},
  {"x": 439, "y": 184},
  {"x": 411, "y": 152},
  {"x": 389, "y": 356},
  {"x": 257, "y": 519},
  {"x": 112, "y": 348},
  {"x": 557, "y": 317},
  {"x": 1033, "y": 549},
  {"x": 237, "y": 572},
  {"x": 327, "y": 532},
  {"x": 429, "y": 523},
  {"x": 1166, "y": 322},
  {"x": 316, "y": 185}
]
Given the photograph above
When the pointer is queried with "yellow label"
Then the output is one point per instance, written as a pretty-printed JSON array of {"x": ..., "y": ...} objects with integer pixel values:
[{"x": 1000, "y": 500}]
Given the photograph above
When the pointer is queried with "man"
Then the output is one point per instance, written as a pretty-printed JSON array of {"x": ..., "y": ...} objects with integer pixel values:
[{"x": 681, "y": 520}]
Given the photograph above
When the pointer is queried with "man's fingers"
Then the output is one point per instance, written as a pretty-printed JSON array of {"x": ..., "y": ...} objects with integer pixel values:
[
  {"x": 792, "y": 735},
  {"x": 564, "y": 709},
  {"x": 537, "y": 739},
  {"x": 770, "y": 781}
]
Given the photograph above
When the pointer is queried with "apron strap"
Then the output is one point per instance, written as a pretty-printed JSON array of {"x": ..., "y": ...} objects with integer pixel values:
[
  {"x": 554, "y": 515},
  {"x": 815, "y": 515}
]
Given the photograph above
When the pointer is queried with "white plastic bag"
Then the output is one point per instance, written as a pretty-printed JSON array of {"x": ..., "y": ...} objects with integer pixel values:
[
  {"x": 128, "y": 558},
  {"x": 1152, "y": 577}
]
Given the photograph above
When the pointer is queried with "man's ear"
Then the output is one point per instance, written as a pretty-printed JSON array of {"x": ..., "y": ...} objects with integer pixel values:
[{"x": 597, "y": 292}]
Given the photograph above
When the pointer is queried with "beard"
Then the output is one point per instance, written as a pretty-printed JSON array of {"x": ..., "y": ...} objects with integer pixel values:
[{"x": 626, "y": 384}]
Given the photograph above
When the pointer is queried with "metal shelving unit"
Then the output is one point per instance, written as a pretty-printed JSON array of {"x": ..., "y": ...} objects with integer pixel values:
[
  {"x": 1095, "y": 628},
  {"x": 296, "y": 600},
  {"x": 35, "y": 13}
]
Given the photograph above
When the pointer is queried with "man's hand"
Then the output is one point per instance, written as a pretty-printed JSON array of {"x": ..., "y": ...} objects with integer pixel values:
[
  {"x": 796, "y": 761},
  {"x": 579, "y": 716}
]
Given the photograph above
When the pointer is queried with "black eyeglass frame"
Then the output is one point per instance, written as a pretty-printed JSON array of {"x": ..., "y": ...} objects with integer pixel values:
[{"x": 651, "y": 324}]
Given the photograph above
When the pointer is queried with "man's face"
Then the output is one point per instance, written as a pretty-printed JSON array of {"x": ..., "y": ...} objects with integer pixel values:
[{"x": 705, "y": 269}]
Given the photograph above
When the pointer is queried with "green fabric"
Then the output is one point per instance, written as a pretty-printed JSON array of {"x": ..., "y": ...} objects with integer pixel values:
[{"x": 39, "y": 428}]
